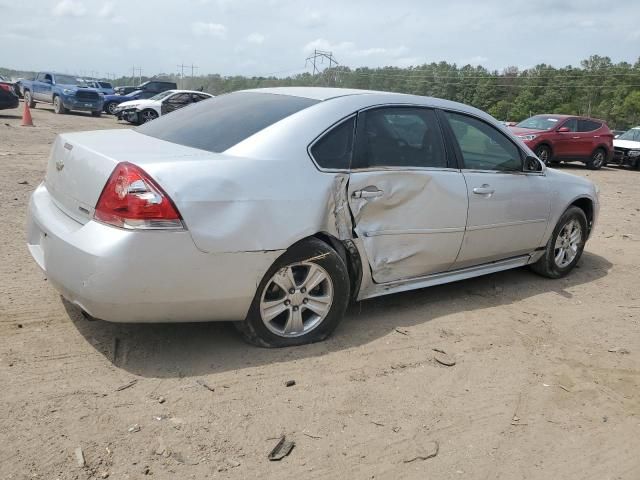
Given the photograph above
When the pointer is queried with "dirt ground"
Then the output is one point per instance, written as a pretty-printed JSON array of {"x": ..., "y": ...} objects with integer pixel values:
[{"x": 546, "y": 383}]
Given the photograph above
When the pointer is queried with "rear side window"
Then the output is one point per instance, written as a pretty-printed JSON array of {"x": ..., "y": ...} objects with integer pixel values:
[
  {"x": 221, "y": 122},
  {"x": 335, "y": 149},
  {"x": 588, "y": 125}
]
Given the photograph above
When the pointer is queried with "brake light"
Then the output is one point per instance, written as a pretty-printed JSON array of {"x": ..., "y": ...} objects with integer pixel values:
[
  {"x": 6, "y": 86},
  {"x": 132, "y": 200}
]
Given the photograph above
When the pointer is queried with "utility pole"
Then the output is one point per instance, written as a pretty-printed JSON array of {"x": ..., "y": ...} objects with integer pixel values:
[
  {"x": 182, "y": 66},
  {"x": 193, "y": 67},
  {"x": 318, "y": 57}
]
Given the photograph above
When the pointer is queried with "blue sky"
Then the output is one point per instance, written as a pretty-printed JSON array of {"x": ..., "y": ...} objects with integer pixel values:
[{"x": 259, "y": 37}]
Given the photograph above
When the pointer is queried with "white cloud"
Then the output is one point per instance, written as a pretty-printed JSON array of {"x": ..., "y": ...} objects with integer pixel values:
[
  {"x": 209, "y": 29},
  {"x": 69, "y": 8},
  {"x": 351, "y": 50},
  {"x": 106, "y": 10},
  {"x": 587, "y": 23},
  {"x": 313, "y": 19},
  {"x": 256, "y": 38},
  {"x": 477, "y": 60}
]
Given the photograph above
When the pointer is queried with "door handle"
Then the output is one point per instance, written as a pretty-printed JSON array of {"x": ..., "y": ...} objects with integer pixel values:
[
  {"x": 575, "y": 138},
  {"x": 367, "y": 193},
  {"x": 483, "y": 190}
]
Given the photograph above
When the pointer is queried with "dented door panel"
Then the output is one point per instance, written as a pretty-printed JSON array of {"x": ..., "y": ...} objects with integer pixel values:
[{"x": 411, "y": 222}]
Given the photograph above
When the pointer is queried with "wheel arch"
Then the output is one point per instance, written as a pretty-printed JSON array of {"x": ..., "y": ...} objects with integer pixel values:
[
  {"x": 545, "y": 143},
  {"x": 349, "y": 254},
  {"x": 586, "y": 205}
]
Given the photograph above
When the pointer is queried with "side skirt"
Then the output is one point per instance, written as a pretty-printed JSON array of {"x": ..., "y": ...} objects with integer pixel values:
[{"x": 369, "y": 289}]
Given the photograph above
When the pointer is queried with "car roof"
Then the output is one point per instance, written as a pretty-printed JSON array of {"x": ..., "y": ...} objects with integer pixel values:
[
  {"x": 375, "y": 97},
  {"x": 177, "y": 90}
]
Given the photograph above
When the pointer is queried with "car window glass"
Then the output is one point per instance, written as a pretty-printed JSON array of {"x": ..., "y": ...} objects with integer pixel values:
[
  {"x": 222, "y": 122},
  {"x": 180, "y": 98},
  {"x": 335, "y": 149},
  {"x": 401, "y": 137},
  {"x": 483, "y": 146},
  {"x": 588, "y": 125},
  {"x": 571, "y": 124}
]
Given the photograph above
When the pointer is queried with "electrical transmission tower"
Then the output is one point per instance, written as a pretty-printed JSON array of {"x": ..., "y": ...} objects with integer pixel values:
[
  {"x": 328, "y": 76},
  {"x": 182, "y": 66}
]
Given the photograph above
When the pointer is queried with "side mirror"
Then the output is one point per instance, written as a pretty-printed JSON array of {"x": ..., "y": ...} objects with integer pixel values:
[
  {"x": 564, "y": 130},
  {"x": 533, "y": 164}
]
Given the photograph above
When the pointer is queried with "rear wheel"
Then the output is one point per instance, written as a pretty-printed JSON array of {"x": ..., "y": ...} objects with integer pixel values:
[
  {"x": 147, "y": 115},
  {"x": 598, "y": 159},
  {"x": 301, "y": 299},
  {"x": 28, "y": 99},
  {"x": 565, "y": 246}
]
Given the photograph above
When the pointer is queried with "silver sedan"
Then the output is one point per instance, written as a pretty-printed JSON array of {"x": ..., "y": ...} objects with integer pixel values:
[{"x": 274, "y": 208}]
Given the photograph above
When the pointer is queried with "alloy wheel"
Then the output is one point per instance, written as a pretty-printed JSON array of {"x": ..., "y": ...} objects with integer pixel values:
[
  {"x": 598, "y": 159},
  {"x": 148, "y": 115},
  {"x": 112, "y": 108},
  {"x": 296, "y": 299},
  {"x": 567, "y": 244}
]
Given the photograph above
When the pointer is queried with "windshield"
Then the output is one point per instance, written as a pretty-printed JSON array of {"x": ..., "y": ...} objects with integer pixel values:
[
  {"x": 539, "y": 122},
  {"x": 221, "y": 122},
  {"x": 633, "y": 134},
  {"x": 161, "y": 95},
  {"x": 104, "y": 84},
  {"x": 70, "y": 80}
]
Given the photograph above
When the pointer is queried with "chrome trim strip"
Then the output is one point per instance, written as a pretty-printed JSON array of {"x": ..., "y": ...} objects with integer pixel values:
[
  {"x": 506, "y": 224},
  {"x": 414, "y": 231}
]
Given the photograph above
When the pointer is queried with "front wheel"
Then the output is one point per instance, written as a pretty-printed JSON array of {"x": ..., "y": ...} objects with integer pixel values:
[
  {"x": 111, "y": 108},
  {"x": 543, "y": 152},
  {"x": 565, "y": 246},
  {"x": 301, "y": 299},
  {"x": 28, "y": 99},
  {"x": 147, "y": 115},
  {"x": 58, "y": 106},
  {"x": 598, "y": 160}
]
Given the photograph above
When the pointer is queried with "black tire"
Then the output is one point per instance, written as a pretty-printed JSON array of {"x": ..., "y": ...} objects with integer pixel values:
[
  {"x": 314, "y": 251},
  {"x": 58, "y": 106},
  {"x": 543, "y": 152},
  {"x": 97, "y": 113},
  {"x": 147, "y": 115},
  {"x": 597, "y": 160},
  {"x": 636, "y": 166},
  {"x": 546, "y": 265},
  {"x": 110, "y": 108},
  {"x": 28, "y": 99}
]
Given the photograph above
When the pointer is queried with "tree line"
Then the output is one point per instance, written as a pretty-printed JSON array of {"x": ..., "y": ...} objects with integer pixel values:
[{"x": 597, "y": 88}]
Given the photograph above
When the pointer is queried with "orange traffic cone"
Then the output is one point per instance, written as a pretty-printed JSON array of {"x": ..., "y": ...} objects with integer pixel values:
[{"x": 26, "y": 116}]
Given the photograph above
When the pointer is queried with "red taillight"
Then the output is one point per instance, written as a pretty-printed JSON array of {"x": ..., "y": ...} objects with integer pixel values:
[
  {"x": 6, "y": 86},
  {"x": 131, "y": 199}
]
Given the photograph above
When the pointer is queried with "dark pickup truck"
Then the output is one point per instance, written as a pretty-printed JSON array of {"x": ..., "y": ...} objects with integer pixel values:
[{"x": 65, "y": 92}]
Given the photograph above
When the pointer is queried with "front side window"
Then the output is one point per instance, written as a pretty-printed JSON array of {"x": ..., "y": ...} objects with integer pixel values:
[
  {"x": 571, "y": 124},
  {"x": 400, "y": 137},
  {"x": 335, "y": 149},
  {"x": 484, "y": 147}
]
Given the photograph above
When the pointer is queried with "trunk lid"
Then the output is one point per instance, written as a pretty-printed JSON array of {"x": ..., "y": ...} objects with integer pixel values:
[{"x": 81, "y": 163}]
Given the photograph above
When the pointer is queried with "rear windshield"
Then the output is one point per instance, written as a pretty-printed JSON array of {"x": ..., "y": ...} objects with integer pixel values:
[{"x": 219, "y": 123}]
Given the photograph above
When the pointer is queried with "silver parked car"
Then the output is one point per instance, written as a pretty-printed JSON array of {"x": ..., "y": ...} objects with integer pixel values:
[{"x": 275, "y": 207}]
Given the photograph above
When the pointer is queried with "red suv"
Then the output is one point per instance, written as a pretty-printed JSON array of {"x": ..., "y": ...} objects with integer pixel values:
[{"x": 564, "y": 138}]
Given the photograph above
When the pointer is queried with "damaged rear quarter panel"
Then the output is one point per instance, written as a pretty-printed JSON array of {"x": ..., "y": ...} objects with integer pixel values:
[{"x": 232, "y": 204}]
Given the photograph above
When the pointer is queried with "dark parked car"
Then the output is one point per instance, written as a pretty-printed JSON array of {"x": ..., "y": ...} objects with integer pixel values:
[
  {"x": 8, "y": 97},
  {"x": 143, "y": 91},
  {"x": 124, "y": 90},
  {"x": 565, "y": 138}
]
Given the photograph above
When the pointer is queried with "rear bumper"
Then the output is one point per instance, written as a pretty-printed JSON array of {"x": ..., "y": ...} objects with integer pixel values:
[
  {"x": 124, "y": 276},
  {"x": 9, "y": 101}
]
